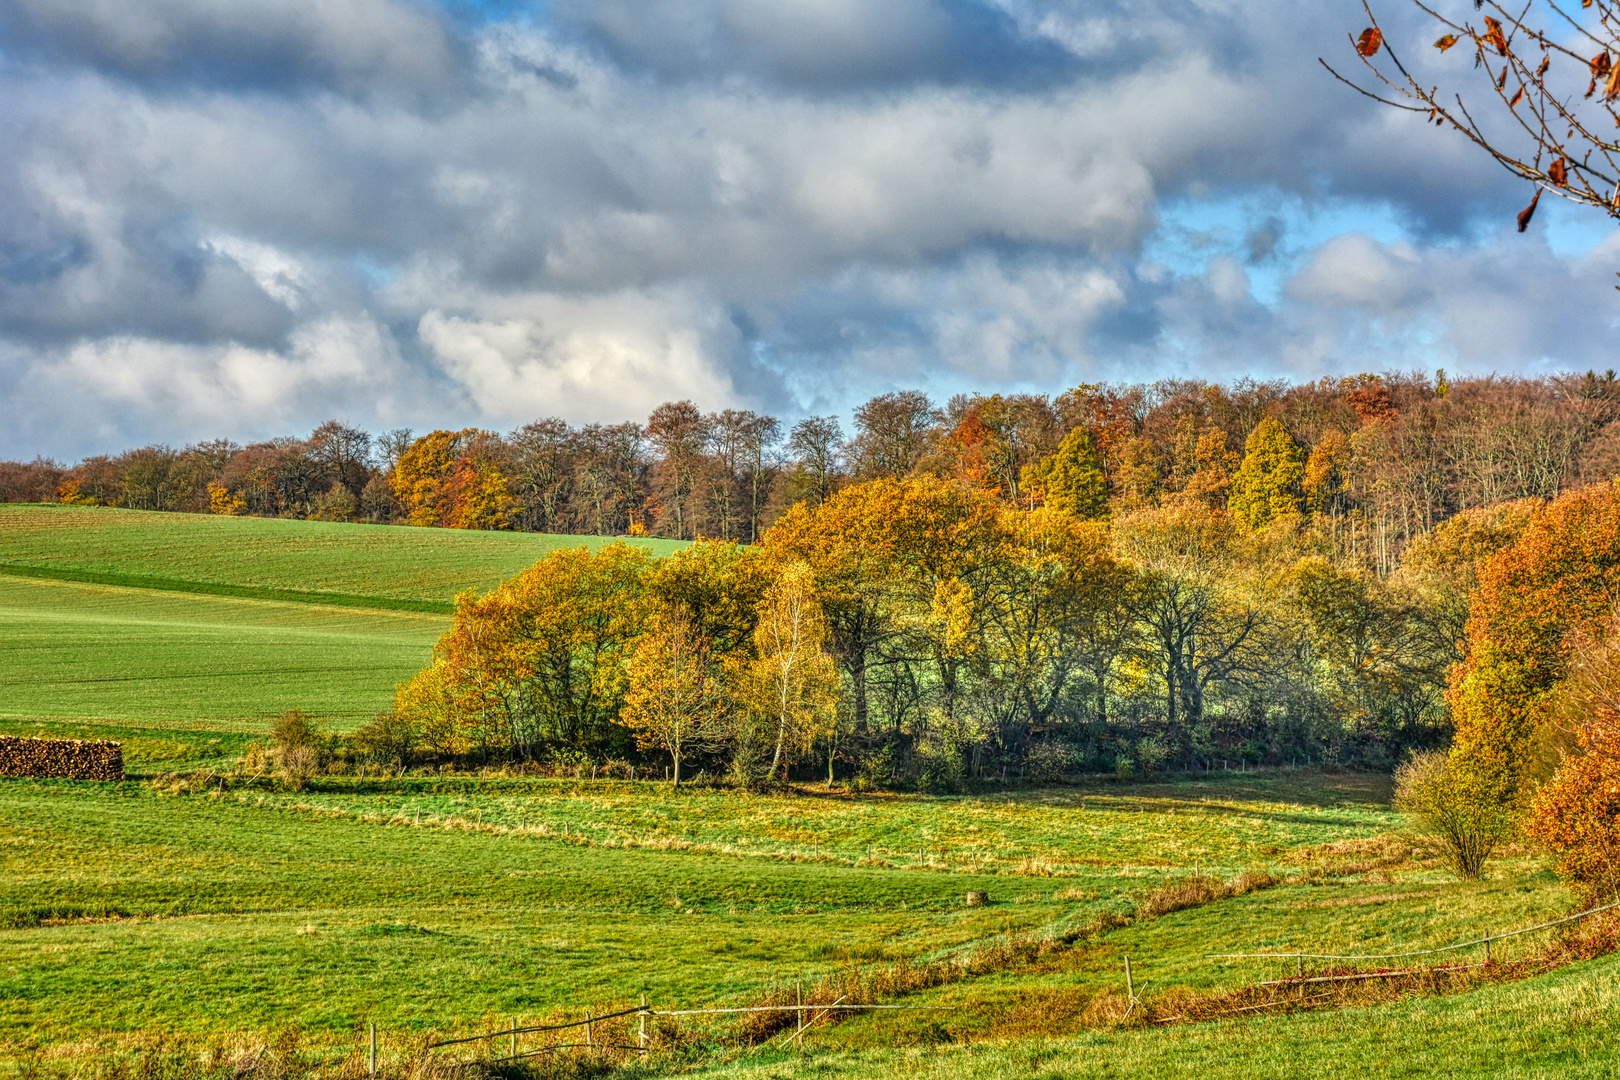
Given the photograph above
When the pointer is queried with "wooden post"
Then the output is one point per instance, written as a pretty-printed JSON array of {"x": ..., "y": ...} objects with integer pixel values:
[
  {"x": 1487, "y": 948},
  {"x": 641, "y": 1033},
  {"x": 590, "y": 1041},
  {"x": 371, "y": 1055},
  {"x": 798, "y": 996},
  {"x": 1130, "y": 984},
  {"x": 514, "y": 1036}
]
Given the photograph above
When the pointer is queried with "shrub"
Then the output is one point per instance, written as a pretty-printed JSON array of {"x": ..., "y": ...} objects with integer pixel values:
[
  {"x": 1049, "y": 761},
  {"x": 389, "y": 737},
  {"x": 1465, "y": 814},
  {"x": 295, "y": 728},
  {"x": 297, "y": 746},
  {"x": 1151, "y": 752},
  {"x": 940, "y": 769},
  {"x": 298, "y": 764}
]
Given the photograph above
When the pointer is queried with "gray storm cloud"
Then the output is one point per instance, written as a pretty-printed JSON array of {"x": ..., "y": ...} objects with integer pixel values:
[{"x": 240, "y": 218}]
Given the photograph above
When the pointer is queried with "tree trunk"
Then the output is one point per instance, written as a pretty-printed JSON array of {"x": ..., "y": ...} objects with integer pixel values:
[
  {"x": 676, "y": 754},
  {"x": 857, "y": 675}
]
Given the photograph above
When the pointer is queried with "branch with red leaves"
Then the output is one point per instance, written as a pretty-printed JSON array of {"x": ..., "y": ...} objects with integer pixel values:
[{"x": 1535, "y": 77}]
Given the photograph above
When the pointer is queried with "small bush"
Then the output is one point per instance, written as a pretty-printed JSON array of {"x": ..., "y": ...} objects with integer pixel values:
[
  {"x": 1049, "y": 761},
  {"x": 1444, "y": 802},
  {"x": 295, "y": 728},
  {"x": 388, "y": 738},
  {"x": 298, "y": 764},
  {"x": 1151, "y": 752},
  {"x": 750, "y": 768}
]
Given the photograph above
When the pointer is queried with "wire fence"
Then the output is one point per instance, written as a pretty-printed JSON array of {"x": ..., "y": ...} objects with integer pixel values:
[{"x": 816, "y": 1011}]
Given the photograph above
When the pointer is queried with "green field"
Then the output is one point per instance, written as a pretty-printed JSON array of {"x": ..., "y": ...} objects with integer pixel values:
[
  {"x": 388, "y": 561},
  {"x": 183, "y": 906},
  {"x": 149, "y": 653}
]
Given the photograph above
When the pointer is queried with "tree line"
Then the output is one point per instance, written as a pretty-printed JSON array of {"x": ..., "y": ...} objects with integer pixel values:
[{"x": 1383, "y": 459}]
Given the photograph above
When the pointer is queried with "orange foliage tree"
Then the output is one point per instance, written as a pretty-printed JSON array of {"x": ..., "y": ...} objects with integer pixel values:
[
  {"x": 1577, "y": 814},
  {"x": 455, "y": 479},
  {"x": 676, "y": 698},
  {"x": 1556, "y": 582}
]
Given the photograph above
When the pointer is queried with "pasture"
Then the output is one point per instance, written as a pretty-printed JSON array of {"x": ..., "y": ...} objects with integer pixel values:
[
  {"x": 364, "y": 561},
  {"x": 184, "y": 905},
  {"x": 149, "y": 652}
]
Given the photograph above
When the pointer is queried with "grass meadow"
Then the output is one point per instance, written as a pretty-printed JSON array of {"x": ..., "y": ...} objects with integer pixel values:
[
  {"x": 149, "y": 653},
  {"x": 186, "y": 908},
  {"x": 366, "y": 561}
]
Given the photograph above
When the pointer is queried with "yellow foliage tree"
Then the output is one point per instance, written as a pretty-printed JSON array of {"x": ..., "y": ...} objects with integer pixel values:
[
  {"x": 792, "y": 683},
  {"x": 1266, "y": 486},
  {"x": 676, "y": 699},
  {"x": 221, "y": 501},
  {"x": 1071, "y": 481}
]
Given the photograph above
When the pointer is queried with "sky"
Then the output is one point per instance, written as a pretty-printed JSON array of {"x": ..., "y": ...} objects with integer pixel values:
[{"x": 239, "y": 218}]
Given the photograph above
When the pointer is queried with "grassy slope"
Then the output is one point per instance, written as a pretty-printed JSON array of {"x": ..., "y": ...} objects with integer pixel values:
[
  {"x": 318, "y": 556},
  {"x": 242, "y": 910},
  {"x": 167, "y": 672},
  {"x": 184, "y": 677},
  {"x": 1565, "y": 1024}
]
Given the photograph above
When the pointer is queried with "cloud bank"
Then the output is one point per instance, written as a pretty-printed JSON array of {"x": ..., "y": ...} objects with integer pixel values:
[{"x": 244, "y": 216}]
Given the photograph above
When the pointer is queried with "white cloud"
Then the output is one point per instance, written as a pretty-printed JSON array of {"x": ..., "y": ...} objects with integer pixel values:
[
  {"x": 609, "y": 358},
  {"x": 233, "y": 216}
]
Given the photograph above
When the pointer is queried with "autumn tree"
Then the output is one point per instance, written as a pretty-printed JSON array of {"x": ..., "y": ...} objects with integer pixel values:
[
  {"x": 1266, "y": 486},
  {"x": 1577, "y": 814},
  {"x": 676, "y": 699},
  {"x": 421, "y": 470},
  {"x": 345, "y": 451},
  {"x": 1199, "y": 604},
  {"x": 1555, "y": 584},
  {"x": 792, "y": 683},
  {"x": 718, "y": 586},
  {"x": 1071, "y": 481},
  {"x": 1055, "y": 610},
  {"x": 537, "y": 663},
  {"x": 544, "y": 454},
  {"x": 679, "y": 433},
  {"x": 892, "y": 432},
  {"x": 816, "y": 448}
]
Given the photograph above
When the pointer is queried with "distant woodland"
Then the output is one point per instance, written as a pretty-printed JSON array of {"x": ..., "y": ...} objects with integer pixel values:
[{"x": 1384, "y": 459}]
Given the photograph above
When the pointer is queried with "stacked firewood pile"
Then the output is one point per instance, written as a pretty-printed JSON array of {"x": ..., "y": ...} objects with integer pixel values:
[{"x": 65, "y": 759}]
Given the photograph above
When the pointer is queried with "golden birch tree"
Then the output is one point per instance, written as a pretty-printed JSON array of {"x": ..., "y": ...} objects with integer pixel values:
[{"x": 676, "y": 699}]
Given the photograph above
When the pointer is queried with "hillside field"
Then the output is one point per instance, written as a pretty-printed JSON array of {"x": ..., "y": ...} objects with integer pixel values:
[
  {"x": 149, "y": 652},
  {"x": 204, "y": 911}
]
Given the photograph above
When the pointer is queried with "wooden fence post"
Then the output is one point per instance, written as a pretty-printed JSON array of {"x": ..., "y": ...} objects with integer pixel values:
[
  {"x": 798, "y": 997},
  {"x": 371, "y": 1055},
  {"x": 590, "y": 1039},
  {"x": 1130, "y": 984},
  {"x": 514, "y": 1036},
  {"x": 641, "y": 1032}
]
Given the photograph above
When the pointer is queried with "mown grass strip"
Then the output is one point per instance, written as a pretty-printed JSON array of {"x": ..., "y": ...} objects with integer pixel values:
[{"x": 209, "y": 588}]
